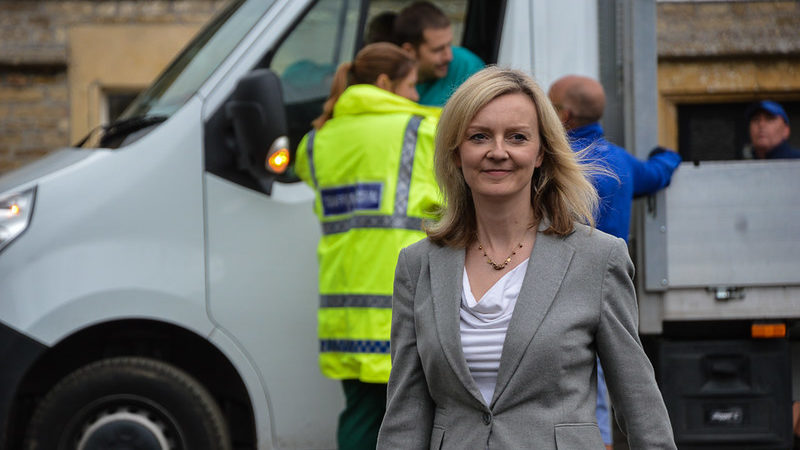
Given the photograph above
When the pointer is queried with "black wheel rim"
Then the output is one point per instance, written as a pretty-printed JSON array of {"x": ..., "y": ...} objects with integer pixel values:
[{"x": 123, "y": 421}]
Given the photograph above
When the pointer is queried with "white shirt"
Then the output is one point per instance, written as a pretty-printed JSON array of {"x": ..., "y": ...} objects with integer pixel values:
[{"x": 484, "y": 324}]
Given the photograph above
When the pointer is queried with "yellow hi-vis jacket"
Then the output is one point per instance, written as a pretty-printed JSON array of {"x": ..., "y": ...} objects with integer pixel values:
[{"x": 371, "y": 166}]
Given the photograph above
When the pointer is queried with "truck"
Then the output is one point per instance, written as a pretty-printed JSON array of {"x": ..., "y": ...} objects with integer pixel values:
[
  {"x": 158, "y": 279},
  {"x": 718, "y": 282}
]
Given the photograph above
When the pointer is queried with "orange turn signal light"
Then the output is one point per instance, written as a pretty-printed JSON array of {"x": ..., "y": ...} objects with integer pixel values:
[
  {"x": 14, "y": 209},
  {"x": 278, "y": 161},
  {"x": 768, "y": 330}
]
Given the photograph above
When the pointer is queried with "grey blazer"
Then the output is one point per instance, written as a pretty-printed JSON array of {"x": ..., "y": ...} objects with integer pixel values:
[{"x": 577, "y": 302}]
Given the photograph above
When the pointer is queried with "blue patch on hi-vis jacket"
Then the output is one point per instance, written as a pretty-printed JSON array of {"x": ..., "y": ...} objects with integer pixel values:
[{"x": 346, "y": 199}]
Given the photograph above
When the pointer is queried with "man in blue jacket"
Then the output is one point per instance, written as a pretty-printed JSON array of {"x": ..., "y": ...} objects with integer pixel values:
[{"x": 579, "y": 102}]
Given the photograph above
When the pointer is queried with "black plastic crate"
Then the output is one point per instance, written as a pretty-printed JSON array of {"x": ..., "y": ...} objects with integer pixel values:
[{"x": 733, "y": 394}]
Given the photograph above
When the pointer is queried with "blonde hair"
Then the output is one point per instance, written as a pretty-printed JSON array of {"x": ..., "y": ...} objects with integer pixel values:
[
  {"x": 562, "y": 192},
  {"x": 370, "y": 62}
]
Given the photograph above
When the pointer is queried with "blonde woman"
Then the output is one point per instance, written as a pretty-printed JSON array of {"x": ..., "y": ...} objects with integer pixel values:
[{"x": 500, "y": 314}]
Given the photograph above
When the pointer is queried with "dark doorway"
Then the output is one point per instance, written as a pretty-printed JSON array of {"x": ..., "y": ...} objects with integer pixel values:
[{"x": 719, "y": 131}]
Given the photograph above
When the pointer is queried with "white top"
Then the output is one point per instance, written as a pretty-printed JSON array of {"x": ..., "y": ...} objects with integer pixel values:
[{"x": 484, "y": 324}]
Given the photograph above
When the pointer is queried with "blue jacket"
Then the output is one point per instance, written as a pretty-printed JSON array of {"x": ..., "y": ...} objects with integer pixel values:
[
  {"x": 783, "y": 151},
  {"x": 636, "y": 177}
]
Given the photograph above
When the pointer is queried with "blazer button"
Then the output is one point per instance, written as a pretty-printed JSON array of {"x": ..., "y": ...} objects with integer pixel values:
[{"x": 487, "y": 418}]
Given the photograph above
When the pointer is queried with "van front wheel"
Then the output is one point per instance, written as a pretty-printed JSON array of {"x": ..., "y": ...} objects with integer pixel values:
[{"x": 130, "y": 403}]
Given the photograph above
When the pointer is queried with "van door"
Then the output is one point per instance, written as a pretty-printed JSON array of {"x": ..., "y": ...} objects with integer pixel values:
[{"x": 262, "y": 268}]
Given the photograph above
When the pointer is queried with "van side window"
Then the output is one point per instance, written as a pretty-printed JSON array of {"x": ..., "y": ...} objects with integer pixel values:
[
  {"x": 308, "y": 57},
  {"x": 305, "y": 60},
  {"x": 477, "y": 24}
]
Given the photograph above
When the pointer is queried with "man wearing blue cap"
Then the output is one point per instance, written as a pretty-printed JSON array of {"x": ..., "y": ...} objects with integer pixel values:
[{"x": 769, "y": 131}]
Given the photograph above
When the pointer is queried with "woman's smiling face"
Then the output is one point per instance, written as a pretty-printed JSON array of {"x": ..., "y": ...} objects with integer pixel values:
[{"x": 501, "y": 149}]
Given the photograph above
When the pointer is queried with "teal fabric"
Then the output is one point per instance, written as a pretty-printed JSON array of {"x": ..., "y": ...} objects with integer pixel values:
[{"x": 436, "y": 92}]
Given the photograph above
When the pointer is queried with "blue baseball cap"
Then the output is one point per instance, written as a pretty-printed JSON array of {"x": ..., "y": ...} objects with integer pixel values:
[{"x": 769, "y": 106}]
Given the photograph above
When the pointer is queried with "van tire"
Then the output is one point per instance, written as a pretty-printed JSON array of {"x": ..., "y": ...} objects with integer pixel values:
[{"x": 111, "y": 400}]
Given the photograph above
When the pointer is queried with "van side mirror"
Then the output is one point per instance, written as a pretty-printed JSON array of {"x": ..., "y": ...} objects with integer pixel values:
[{"x": 257, "y": 114}]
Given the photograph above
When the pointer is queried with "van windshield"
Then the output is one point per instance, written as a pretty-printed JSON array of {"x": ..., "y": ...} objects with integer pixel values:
[{"x": 198, "y": 60}]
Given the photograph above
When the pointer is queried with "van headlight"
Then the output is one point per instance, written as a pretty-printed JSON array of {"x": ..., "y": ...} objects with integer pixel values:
[{"x": 15, "y": 215}]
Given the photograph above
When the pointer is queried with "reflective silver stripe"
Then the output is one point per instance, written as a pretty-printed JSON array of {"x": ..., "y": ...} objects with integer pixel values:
[
  {"x": 355, "y": 301},
  {"x": 310, "y": 154},
  {"x": 397, "y": 222},
  {"x": 406, "y": 165}
]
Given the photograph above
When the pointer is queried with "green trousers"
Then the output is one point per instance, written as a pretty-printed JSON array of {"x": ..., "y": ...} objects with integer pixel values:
[{"x": 365, "y": 404}]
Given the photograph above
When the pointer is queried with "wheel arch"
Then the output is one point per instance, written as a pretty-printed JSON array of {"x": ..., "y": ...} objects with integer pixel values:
[{"x": 165, "y": 342}]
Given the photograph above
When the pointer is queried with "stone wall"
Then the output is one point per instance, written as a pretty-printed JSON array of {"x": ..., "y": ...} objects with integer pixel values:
[
  {"x": 725, "y": 53},
  {"x": 34, "y": 62},
  {"x": 36, "y": 31},
  {"x": 697, "y": 29},
  {"x": 33, "y": 114}
]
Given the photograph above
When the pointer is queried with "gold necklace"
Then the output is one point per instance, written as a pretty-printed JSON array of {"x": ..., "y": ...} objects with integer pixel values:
[{"x": 505, "y": 263}]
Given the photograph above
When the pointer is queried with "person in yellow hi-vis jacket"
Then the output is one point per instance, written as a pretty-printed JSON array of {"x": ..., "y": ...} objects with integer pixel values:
[{"x": 370, "y": 160}]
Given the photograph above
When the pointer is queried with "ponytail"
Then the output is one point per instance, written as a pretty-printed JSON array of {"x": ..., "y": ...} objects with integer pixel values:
[
  {"x": 340, "y": 82},
  {"x": 371, "y": 61}
]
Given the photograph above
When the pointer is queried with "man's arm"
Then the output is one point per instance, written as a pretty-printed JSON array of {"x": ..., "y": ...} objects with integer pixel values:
[
  {"x": 464, "y": 64},
  {"x": 655, "y": 173}
]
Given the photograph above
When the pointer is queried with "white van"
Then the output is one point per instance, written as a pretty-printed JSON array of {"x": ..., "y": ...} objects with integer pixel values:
[{"x": 157, "y": 283}]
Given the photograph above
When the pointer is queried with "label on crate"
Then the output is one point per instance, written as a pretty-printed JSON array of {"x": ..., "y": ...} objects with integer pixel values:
[{"x": 726, "y": 415}]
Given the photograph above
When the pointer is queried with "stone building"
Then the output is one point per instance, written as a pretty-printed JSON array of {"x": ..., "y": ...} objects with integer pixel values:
[
  {"x": 714, "y": 58},
  {"x": 68, "y": 66}
]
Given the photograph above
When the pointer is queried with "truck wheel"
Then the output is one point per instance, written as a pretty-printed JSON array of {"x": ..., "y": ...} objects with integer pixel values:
[{"x": 127, "y": 403}]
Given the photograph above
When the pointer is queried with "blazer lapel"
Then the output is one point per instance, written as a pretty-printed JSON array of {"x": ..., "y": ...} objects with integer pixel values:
[
  {"x": 547, "y": 267},
  {"x": 446, "y": 268}
]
